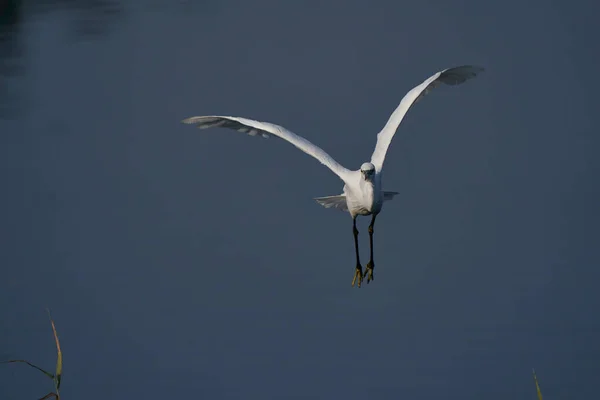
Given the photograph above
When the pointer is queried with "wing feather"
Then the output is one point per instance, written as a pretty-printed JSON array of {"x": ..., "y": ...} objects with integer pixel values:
[
  {"x": 266, "y": 130},
  {"x": 337, "y": 202},
  {"x": 450, "y": 76}
]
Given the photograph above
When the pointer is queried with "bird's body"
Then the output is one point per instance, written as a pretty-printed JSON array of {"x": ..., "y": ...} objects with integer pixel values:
[
  {"x": 363, "y": 192},
  {"x": 363, "y": 197}
]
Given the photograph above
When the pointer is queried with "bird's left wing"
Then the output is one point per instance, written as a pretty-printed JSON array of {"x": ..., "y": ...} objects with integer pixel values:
[
  {"x": 450, "y": 76},
  {"x": 266, "y": 129}
]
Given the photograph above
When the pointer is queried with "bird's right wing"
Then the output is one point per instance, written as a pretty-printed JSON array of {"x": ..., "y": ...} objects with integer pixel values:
[
  {"x": 266, "y": 129},
  {"x": 450, "y": 76}
]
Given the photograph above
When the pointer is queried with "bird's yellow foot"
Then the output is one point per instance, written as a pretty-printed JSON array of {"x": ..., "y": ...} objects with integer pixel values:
[
  {"x": 369, "y": 271},
  {"x": 358, "y": 275}
]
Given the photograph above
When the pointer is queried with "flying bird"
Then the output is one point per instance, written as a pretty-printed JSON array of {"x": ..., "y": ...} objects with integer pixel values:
[{"x": 363, "y": 193}]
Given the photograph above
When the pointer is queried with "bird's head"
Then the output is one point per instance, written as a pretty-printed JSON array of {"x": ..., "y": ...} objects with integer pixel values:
[{"x": 367, "y": 171}]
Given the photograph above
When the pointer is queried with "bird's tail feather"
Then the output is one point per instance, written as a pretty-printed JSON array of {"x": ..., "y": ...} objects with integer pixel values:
[
  {"x": 389, "y": 195},
  {"x": 339, "y": 201}
]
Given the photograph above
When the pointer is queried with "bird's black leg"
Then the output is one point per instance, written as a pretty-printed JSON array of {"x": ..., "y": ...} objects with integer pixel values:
[
  {"x": 358, "y": 274},
  {"x": 371, "y": 263}
]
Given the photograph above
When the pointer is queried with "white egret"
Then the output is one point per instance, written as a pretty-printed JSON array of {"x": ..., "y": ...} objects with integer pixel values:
[{"x": 363, "y": 193}]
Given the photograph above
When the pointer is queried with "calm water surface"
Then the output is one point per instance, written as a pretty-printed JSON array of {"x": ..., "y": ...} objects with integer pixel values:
[{"x": 181, "y": 264}]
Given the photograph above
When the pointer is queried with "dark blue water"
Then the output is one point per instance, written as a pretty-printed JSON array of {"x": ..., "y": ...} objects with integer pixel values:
[{"x": 188, "y": 264}]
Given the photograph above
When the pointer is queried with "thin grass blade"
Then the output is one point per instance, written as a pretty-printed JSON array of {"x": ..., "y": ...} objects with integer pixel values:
[
  {"x": 58, "y": 373},
  {"x": 537, "y": 386},
  {"x": 51, "y": 394},
  {"x": 31, "y": 365}
]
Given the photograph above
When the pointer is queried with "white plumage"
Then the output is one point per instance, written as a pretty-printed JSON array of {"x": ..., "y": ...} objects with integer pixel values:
[{"x": 362, "y": 193}]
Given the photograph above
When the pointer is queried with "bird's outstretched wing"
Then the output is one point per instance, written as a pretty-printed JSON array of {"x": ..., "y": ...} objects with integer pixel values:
[
  {"x": 450, "y": 76},
  {"x": 266, "y": 129}
]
